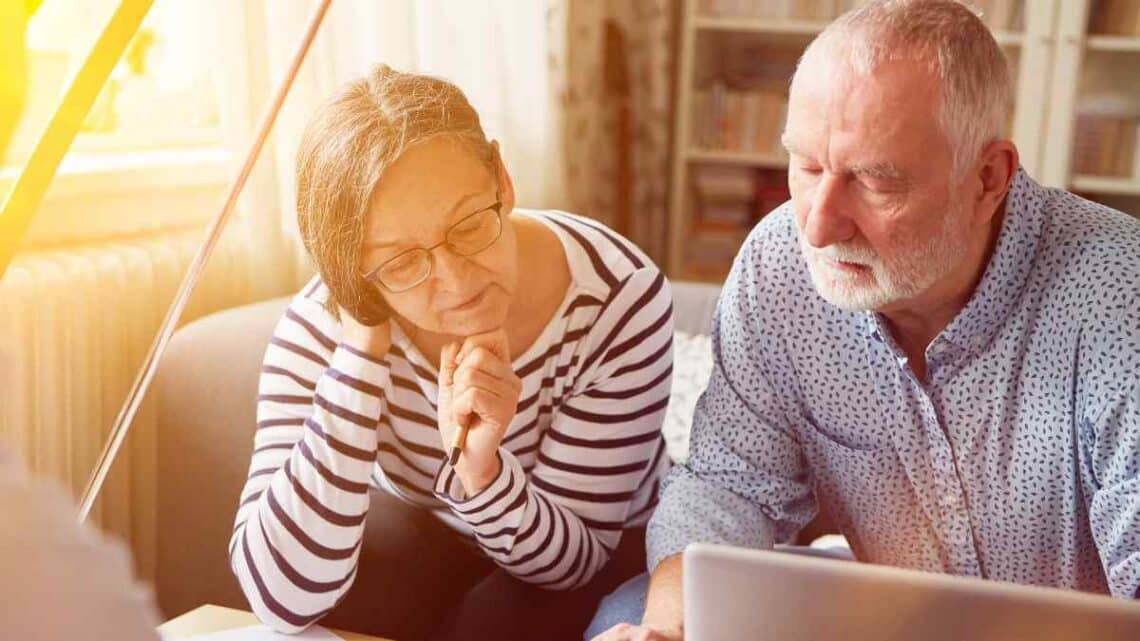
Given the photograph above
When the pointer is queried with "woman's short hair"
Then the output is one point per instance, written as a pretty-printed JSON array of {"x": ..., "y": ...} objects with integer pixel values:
[{"x": 349, "y": 142}]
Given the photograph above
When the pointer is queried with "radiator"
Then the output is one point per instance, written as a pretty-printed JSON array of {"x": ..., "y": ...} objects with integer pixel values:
[{"x": 74, "y": 327}]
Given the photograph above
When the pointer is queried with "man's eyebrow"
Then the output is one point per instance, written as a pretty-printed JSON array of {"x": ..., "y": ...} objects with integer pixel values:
[
  {"x": 791, "y": 147},
  {"x": 881, "y": 171}
]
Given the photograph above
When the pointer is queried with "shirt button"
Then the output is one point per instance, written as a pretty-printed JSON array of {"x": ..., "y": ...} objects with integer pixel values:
[{"x": 949, "y": 499}]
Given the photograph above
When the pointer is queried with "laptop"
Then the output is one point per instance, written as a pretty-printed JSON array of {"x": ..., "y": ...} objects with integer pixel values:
[{"x": 733, "y": 594}]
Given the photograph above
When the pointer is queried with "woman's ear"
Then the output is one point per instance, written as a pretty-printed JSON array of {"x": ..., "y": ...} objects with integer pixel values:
[{"x": 506, "y": 185}]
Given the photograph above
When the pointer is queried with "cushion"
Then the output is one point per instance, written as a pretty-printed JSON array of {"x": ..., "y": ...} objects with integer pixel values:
[{"x": 692, "y": 367}]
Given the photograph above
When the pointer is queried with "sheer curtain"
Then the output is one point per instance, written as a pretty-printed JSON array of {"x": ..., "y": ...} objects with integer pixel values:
[{"x": 497, "y": 51}]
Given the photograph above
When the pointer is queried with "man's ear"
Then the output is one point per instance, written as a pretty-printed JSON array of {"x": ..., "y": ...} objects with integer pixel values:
[
  {"x": 997, "y": 165},
  {"x": 506, "y": 185}
]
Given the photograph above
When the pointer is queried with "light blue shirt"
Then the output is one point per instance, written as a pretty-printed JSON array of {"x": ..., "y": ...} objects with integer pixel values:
[{"x": 1017, "y": 459}]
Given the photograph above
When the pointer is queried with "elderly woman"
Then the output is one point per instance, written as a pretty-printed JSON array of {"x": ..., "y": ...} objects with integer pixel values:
[{"x": 439, "y": 304}]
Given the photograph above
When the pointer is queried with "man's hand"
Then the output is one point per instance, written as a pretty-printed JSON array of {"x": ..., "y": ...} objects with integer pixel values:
[
  {"x": 374, "y": 341},
  {"x": 627, "y": 632},
  {"x": 664, "y": 610},
  {"x": 477, "y": 387}
]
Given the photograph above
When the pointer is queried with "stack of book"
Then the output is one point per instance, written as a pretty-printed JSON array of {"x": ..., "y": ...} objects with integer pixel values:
[
  {"x": 729, "y": 201},
  {"x": 750, "y": 119},
  {"x": 1115, "y": 17},
  {"x": 1105, "y": 135},
  {"x": 1105, "y": 146},
  {"x": 744, "y": 107}
]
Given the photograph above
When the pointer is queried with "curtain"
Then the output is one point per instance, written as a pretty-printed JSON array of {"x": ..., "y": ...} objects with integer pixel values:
[
  {"x": 617, "y": 100},
  {"x": 499, "y": 53},
  {"x": 256, "y": 40}
]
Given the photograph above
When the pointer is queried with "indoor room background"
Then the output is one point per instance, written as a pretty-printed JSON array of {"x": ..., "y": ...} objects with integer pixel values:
[{"x": 661, "y": 118}]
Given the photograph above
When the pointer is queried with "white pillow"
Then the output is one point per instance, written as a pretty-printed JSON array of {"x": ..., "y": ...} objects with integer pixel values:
[{"x": 692, "y": 367}]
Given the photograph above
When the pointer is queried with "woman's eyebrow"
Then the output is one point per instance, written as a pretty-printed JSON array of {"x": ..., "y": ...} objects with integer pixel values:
[
  {"x": 457, "y": 208},
  {"x": 463, "y": 200}
]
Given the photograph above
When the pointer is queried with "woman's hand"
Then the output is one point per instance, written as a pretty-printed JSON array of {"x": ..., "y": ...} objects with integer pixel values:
[
  {"x": 477, "y": 387},
  {"x": 373, "y": 340}
]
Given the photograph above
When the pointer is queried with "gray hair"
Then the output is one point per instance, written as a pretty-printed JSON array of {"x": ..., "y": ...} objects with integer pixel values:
[
  {"x": 352, "y": 138},
  {"x": 956, "y": 45}
]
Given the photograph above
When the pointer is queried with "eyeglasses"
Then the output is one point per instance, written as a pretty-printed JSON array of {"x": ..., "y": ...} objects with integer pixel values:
[{"x": 467, "y": 237}]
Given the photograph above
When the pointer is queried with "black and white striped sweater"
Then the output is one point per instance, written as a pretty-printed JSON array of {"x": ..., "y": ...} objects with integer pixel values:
[{"x": 582, "y": 457}]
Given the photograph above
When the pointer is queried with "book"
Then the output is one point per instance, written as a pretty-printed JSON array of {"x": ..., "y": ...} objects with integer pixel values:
[
  {"x": 748, "y": 120},
  {"x": 1136, "y": 155},
  {"x": 1115, "y": 17},
  {"x": 1125, "y": 146}
]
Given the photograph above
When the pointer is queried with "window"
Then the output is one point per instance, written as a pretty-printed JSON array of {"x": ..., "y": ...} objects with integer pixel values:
[{"x": 160, "y": 95}]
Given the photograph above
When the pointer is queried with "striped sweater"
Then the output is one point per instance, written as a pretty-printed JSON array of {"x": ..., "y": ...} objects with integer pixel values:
[{"x": 582, "y": 457}]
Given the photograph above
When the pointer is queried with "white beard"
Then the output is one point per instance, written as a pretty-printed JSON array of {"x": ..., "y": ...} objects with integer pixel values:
[{"x": 917, "y": 266}]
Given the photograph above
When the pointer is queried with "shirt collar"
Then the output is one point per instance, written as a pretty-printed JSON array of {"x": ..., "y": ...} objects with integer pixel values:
[{"x": 1005, "y": 276}]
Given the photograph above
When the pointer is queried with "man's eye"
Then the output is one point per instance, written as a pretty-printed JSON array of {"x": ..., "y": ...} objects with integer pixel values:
[{"x": 877, "y": 185}]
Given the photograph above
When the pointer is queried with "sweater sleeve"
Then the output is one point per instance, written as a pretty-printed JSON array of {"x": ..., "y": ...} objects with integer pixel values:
[
  {"x": 296, "y": 539},
  {"x": 558, "y": 526}
]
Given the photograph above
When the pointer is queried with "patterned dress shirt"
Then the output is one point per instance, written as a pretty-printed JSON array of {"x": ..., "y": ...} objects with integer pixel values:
[{"x": 1016, "y": 459}]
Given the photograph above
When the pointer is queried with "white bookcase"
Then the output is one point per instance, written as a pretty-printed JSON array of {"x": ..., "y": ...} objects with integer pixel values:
[
  {"x": 1085, "y": 64},
  {"x": 1055, "y": 62}
]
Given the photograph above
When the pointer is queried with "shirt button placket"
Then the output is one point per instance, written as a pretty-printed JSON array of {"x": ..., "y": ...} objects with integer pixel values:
[{"x": 956, "y": 531}]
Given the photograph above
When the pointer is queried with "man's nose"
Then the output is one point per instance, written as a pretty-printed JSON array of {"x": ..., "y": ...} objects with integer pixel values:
[{"x": 827, "y": 221}]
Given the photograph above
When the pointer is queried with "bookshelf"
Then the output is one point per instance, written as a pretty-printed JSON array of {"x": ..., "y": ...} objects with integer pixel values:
[
  {"x": 1057, "y": 51},
  {"x": 770, "y": 160},
  {"x": 1097, "y": 51}
]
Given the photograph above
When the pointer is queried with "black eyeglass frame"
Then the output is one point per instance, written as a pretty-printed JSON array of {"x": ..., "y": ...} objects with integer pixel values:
[{"x": 371, "y": 275}]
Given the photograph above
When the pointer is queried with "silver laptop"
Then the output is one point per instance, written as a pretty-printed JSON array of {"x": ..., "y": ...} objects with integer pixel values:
[{"x": 733, "y": 594}]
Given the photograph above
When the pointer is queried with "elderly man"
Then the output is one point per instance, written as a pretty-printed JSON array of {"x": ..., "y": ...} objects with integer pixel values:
[{"x": 939, "y": 351}]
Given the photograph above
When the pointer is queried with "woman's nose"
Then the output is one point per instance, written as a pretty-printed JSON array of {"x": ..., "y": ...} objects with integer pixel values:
[{"x": 448, "y": 267}]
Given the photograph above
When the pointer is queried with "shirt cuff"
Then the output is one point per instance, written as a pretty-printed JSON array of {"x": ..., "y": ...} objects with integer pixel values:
[
  {"x": 694, "y": 511},
  {"x": 493, "y": 502}
]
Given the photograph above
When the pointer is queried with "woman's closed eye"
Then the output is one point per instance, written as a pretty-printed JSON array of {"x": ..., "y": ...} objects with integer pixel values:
[
  {"x": 466, "y": 229},
  {"x": 472, "y": 227},
  {"x": 403, "y": 264}
]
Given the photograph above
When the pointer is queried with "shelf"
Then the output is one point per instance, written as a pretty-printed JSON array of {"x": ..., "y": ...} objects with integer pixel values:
[
  {"x": 1106, "y": 185},
  {"x": 1113, "y": 43},
  {"x": 780, "y": 26},
  {"x": 749, "y": 158},
  {"x": 802, "y": 27},
  {"x": 1009, "y": 38}
]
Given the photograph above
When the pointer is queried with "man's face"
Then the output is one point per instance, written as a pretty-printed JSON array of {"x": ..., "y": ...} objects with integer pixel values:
[{"x": 870, "y": 180}]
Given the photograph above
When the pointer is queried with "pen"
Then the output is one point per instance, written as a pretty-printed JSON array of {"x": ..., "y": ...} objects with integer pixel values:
[{"x": 457, "y": 442}]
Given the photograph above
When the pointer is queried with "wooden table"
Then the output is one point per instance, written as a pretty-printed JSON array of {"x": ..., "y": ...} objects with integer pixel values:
[{"x": 214, "y": 618}]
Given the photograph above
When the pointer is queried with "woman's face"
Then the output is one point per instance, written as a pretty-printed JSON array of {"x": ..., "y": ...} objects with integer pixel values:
[{"x": 431, "y": 187}]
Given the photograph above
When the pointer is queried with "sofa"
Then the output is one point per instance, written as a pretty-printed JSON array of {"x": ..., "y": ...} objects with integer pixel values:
[{"x": 206, "y": 393}]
